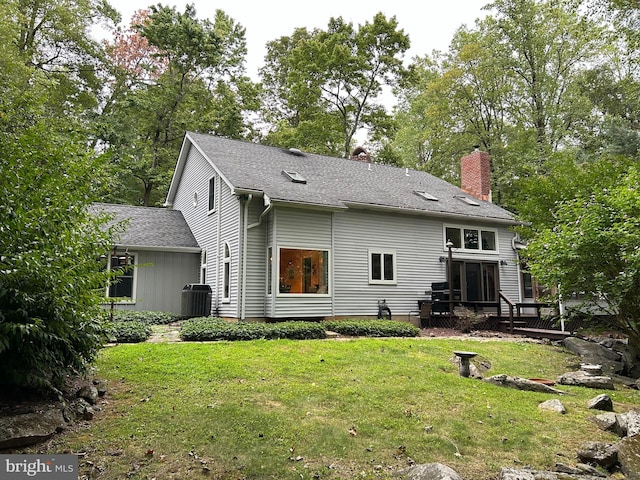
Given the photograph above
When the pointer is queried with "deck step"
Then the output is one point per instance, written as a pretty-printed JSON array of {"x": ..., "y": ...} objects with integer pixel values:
[{"x": 542, "y": 333}]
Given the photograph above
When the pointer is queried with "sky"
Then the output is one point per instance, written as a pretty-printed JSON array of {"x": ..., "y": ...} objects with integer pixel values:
[{"x": 429, "y": 24}]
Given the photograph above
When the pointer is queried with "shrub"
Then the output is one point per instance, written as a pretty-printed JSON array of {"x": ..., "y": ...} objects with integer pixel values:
[
  {"x": 150, "y": 318},
  {"x": 208, "y": 329},
  {"x": 132, "y": 331},
  {"x": 372, "y": 328}
]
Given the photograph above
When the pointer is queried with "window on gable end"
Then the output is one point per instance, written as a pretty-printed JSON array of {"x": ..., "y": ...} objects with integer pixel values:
[{"x": 212, "y": 194}]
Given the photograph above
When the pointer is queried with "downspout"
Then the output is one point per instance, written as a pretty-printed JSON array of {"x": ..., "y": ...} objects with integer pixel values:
[{"x": 245, "y": 227}]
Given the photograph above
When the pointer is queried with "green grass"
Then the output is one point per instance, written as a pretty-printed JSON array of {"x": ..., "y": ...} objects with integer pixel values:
[{"x": 326, "y": 409}]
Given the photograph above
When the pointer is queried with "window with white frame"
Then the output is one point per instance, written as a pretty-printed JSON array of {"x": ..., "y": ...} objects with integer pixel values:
[
  {"x": 122, "y": 287},
  {"x": 269, "y": 270},
  {"x": 226, "y": 282},
  {"x": 382, "y": 267},
  {"x": 203, "y": 267},
  {"x": 212, "y": 194},
  {"x": 472, "y": 239},
  {"x": 303, "y": 271}
]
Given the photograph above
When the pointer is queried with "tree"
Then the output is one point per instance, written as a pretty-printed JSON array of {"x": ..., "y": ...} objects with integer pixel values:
[
  {"x": 322, "y": 86},
  {"x": 55, "y": 37},
  {"x": 593, "y": 249},
  {"x": 510, "y": 85},
  {"x": 51, "y": 282},
  {"x": 173, "y": 73}
]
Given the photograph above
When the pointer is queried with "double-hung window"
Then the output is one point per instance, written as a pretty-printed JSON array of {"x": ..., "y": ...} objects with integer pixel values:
[
  {"x": 122, "y": 286},
  {"x": 382, "y": 267}
]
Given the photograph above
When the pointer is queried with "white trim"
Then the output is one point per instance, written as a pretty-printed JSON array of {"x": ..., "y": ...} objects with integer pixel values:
[
  {"x": 474, "y": 251},
  {"x": 277, "y": 272},
  {"x": 226, "y": 263},
  {"x": 134, "y": 280},
  {"x": 382, "y": 252},
  {"x": 210, "y": 200}
]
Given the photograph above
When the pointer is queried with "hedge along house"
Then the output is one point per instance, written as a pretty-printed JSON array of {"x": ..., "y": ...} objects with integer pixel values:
[
  {"x": 287, "y": 234},
  {"x": 156, "y": 254}
]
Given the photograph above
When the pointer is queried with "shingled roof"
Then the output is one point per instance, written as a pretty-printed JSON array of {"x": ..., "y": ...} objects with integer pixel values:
[
  {"x": 152, "y": 228},
  {"x": 331, "y": 182}
]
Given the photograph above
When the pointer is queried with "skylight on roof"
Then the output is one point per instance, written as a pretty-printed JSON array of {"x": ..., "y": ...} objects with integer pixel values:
[
  {"x": 295, "y": 177},
  {"x": 426, "y": 196},
  {"x": 467, "y": 200}
]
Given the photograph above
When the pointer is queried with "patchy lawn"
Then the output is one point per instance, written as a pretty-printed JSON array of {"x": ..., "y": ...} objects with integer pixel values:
[{"x": 321, "y": 409}]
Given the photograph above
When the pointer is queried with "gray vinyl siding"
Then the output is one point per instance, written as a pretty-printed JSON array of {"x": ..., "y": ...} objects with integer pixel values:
[
  {"x": 418, "y": 244},
  {"x": 309, "y": 229},
  {"x": 160, "y": 278},
  {"x": 212, "y": 229},
  {"x": 255, "y": 283}
]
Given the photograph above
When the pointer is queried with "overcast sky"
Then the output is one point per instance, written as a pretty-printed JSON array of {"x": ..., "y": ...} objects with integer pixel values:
[{"x": 429, "y": 24}]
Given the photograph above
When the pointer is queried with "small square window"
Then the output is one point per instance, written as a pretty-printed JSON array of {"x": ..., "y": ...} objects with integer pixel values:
[{"x": 382, "y": 267}]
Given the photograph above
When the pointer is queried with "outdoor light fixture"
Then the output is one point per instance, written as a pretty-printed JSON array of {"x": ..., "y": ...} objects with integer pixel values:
[{"x": 442, "y": 259}]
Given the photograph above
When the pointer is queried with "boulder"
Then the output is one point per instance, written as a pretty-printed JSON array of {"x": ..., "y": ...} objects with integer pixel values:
[
  {"x": 629, "y": 457},
  {"x": 507, "y": 473},
  {"x": 591, "y": 352},
  {"x": 630, "y": 422},
  {"x": 581, "y": 379},
  {"x": 602, "y": 454},
  {"x": 29, "y": 428},
  {"x": 553, "y": 405},
  {"x": 601, "y": 402},
  {"x": 429, "y": 471},
  {"x": 89, "y": 393},
  {"x": 521, "y": 384},
  {"x": 609, "y": 423},
  {"x": 622, "y": 424}
]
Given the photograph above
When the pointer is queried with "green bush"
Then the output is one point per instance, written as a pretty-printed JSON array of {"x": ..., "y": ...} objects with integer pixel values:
[
  {"x": 208, "y": 329},
  {"x": 372, "y": 328},
  {"x": 150, "y": 318},
  {"x": 131, "y": 331}
]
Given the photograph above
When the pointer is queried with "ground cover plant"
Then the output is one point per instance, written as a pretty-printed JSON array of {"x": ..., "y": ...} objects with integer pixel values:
[
  {"x": 372, "y": 328},
  {"x": 325, "y": 409},
  {"x": 209, "y": 329}
]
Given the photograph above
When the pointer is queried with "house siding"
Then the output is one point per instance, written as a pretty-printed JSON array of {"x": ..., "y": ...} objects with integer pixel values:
[
  {"x": 255, "y": 283},
  {"x": 418, "y": 244},
  {"x": 301, "y": 228},
  {"x": 212, "y": 229},
  {"x": 160, "y": 278}
]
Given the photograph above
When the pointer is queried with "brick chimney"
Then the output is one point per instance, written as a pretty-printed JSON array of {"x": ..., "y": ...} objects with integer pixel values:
[
  {"x": 361, "y": 155},
  {"x": 475, "y": 175}
]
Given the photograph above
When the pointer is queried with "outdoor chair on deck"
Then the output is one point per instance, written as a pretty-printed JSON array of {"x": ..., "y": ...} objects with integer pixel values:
[{"x": 424, "y": 313}]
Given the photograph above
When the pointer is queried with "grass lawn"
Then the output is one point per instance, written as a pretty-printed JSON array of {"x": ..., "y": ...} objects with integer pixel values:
[{"x": 326, "y": 409}]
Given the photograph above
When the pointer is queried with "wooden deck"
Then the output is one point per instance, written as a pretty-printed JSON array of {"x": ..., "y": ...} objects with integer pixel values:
[{"x": 541, "y": 333}]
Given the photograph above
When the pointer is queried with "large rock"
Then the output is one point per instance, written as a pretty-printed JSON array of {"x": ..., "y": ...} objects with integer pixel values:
[
  {"x": 429, "y": 471},
  {"x": 601, "y": 402},
  {"x": 629, "y": 457},
  {"x": 590, "y": 352},
  {"x": 622, "y": 424},
  {"x": 603, "y": 454},
  {"x": 581, "y": 379},
  {"x": 29, "y": 428},
  {"x": 553, "y": 405},
  {"x": 507, "y": 473},
  {"x": 521, "y": 384}
]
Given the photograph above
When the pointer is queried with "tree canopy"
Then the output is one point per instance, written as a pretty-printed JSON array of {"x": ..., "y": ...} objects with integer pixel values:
[{"x": 322, "y": 87}]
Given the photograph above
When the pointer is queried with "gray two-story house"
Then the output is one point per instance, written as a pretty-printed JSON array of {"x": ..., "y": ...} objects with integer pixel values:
[{"x": 288, "y": 234}]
